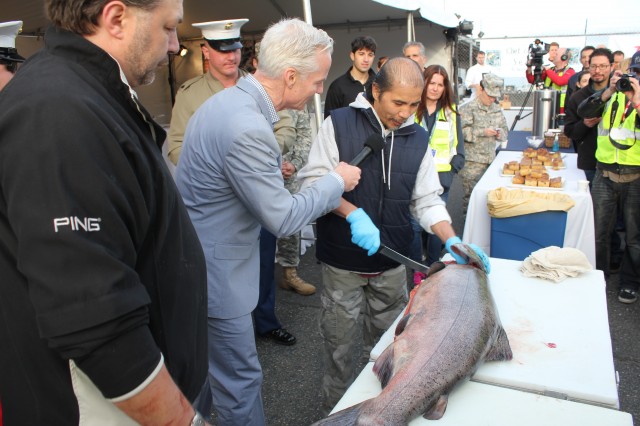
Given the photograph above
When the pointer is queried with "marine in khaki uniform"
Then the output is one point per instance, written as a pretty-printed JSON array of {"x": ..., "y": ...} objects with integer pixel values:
[
  {"x": 222, "y": 49},
  {"x": 483, "y": 124},
  {"x": 9, "y": 58}
]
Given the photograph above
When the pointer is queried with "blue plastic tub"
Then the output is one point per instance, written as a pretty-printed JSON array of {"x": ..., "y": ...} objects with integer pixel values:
[{"x": 517, "y": 237}]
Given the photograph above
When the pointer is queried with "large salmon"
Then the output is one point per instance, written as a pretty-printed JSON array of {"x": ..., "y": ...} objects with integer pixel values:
[{"x": 451, "y": 327}]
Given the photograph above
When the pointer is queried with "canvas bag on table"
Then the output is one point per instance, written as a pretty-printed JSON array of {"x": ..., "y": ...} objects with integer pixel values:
[{"x": 503, "y": 202}]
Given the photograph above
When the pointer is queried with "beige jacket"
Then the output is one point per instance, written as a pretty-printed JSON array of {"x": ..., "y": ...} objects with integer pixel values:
[{"x": 190, "y": 96}]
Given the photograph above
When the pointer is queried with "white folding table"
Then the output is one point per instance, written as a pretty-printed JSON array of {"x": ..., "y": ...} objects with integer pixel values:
[
  {"x": 580, "y": 230},
  {"x": 562, "y": 363}
]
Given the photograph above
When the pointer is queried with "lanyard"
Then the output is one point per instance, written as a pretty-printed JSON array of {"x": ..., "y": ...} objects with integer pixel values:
[{"x": 624, "y": 114}]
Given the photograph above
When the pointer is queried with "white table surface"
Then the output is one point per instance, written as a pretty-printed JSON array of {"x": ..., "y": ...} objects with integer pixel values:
[
  {"x": 538, "y": 314},
  {"x": 580, "y": 231},
  {"x": 478, "y": 404}
]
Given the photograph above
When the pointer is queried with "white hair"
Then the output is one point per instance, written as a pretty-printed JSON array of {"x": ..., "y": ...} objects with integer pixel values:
[
  {"x": 292, "y": 43},
  {"x": 409, "y": 44}
]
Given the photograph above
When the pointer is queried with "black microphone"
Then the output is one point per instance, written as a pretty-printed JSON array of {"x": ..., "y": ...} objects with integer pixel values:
[{"x": 373, "y": 144}]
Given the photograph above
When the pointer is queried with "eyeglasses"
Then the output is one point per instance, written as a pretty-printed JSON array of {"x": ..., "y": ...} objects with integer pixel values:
[{"x": 600, "y": 67}]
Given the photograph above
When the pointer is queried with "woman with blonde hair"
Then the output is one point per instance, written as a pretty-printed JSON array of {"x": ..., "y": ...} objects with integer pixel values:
[{"x": 437, "y": 114}]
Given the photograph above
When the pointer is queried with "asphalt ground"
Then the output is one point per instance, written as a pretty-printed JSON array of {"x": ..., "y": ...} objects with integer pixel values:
[{"x": 292, "y": 374}]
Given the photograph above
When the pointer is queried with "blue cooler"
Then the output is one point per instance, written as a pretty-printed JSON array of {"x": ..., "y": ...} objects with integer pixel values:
[{"x": 517, "y": 237}]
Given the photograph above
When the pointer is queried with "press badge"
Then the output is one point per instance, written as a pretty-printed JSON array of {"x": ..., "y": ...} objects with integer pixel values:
[{"x": 442, "y": 125}]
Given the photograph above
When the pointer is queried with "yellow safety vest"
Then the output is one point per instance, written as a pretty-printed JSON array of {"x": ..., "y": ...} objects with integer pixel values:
[
  {"x": 443, "y": 139},
  {"x": 562, "y": 89},
  {"x": 624, "y": 134}
]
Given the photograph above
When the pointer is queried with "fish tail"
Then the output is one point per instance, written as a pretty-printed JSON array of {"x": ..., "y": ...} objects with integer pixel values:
[{"x": 346, "y": 417}]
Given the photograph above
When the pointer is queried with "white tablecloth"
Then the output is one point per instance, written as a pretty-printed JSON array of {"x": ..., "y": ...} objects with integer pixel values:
[{"x": 580, "y": 231}]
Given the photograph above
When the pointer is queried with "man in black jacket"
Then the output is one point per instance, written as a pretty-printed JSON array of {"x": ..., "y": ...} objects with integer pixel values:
[
  {"x": 344, "y": 89},
  {"x": 583, "y": 131},
  {"x": 103, "y": 282}
]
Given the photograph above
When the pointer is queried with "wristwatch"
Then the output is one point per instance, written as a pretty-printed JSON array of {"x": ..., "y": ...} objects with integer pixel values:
[{"x": 197, "y": 420}]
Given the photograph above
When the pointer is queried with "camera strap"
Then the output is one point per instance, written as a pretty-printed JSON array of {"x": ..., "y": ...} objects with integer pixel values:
[{"x": 614, "y": 111}]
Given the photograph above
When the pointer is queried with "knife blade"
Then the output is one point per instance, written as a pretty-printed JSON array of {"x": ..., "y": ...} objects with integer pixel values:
[{"x": 394, "y": 255}]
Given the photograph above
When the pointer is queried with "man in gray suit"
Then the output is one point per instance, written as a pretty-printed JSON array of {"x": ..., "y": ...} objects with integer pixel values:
[{"x": 230, "y": 177}]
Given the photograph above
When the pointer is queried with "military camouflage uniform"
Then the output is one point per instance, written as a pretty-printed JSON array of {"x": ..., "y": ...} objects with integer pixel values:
[
  {"x": 190, "y": 96},
  {"x": 386, "y": 296},
  {"x": 480, "y": 150},
  {"x": 293, "y": 133}
]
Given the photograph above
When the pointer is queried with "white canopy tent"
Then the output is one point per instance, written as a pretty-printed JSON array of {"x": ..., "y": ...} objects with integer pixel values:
[{"x": 343, "y": 20}]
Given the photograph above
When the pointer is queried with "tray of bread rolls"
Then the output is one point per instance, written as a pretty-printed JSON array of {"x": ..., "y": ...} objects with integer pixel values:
[
  {"x": 524, "y": 174},
  {"x": 542, "y": 156}
]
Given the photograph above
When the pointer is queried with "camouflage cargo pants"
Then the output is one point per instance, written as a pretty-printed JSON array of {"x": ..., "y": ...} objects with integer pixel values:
[
  {"x": 470, "y": 174},
  {"x": 345, "y": 296},
  {"x": 288, "y": 255}
]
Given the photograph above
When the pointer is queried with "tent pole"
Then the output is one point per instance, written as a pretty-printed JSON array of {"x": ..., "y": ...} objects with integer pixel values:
[{"x": 317, "y": 103}]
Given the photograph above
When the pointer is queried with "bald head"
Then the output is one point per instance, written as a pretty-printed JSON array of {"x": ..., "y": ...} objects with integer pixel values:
[
  {"x": 397, "y": 91},
  {"x": 399, "y": 72}
]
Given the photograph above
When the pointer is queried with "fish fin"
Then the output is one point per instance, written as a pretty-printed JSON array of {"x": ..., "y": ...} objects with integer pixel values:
[
  {"x": 402, "y": 324},
  {"x": 383, "y": 367},
  {"x": 436, "y": 411},
  {"x": 501, "y": 350},
  {"x": 470, "y": 255},
  {"x": 348, "y": 416},
  {"x": 435, "y": 267}
]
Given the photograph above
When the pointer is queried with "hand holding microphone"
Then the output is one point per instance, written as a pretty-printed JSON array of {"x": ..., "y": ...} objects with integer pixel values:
[{"x": 350, "y": 173}]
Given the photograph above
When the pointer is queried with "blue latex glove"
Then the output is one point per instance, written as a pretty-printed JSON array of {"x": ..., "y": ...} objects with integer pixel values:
[
  {"x": 461, "y": 260},
  {"x": 363, "y": 232}
]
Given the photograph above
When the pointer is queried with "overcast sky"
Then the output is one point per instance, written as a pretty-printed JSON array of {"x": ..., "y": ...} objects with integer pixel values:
[{"x": 500, "y": 18}]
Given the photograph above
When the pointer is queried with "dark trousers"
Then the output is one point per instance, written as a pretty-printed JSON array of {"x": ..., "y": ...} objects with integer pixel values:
[
  {"x": 264, "y": 315},
  {"x": 607, "y": 196}
]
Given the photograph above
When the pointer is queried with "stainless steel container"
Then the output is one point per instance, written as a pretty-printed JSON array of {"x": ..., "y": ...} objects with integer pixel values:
[{"x": 545, "y": 109}]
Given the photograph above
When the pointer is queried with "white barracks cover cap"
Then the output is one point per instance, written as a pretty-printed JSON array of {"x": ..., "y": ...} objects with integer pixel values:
[
  {"x": 8, "y": 33},
  {"x": 222, "y": 35}
]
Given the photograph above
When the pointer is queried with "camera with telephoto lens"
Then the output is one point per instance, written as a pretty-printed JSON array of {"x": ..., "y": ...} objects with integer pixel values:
[
  {"x": 624, "y": 85},
  {"x": 537, "y": 50}
]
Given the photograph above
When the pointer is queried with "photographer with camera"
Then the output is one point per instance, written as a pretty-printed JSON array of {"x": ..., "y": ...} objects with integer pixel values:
[
  {"x": 617, "y": 179},
  {"x": 555, "y": 77}
]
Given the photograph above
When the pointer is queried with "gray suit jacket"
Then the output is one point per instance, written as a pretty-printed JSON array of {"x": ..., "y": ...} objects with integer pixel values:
[{"x": 230, "y": 179}]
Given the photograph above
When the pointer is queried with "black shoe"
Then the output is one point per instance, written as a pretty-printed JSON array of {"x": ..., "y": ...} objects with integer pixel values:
[
  {"x": 627, "y": 296},
  {"x": 281, "y": 337}
]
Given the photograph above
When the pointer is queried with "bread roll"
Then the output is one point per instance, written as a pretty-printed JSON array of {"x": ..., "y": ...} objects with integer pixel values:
[
  {"x": 555, "y": 182},
  {"x": 517, "y": 180},
  {"x": 529, "y": 181}
]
